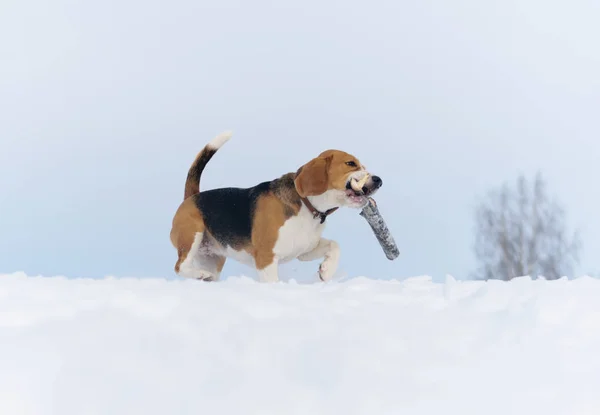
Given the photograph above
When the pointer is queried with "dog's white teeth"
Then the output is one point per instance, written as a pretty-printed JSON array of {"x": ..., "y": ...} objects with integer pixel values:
[{"x": 358, "y": 185}]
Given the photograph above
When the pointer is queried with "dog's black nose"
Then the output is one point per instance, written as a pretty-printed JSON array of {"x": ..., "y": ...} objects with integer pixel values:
[{"x": 377, "y": 181}]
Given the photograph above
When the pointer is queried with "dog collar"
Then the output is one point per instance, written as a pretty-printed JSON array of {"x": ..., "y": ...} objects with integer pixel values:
[{"x": 315, "y": 212}]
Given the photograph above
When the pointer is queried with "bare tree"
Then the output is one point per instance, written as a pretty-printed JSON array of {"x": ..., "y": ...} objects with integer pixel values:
[{"x": 520, "y": 231}]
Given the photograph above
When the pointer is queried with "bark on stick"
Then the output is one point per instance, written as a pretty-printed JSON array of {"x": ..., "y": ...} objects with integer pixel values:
[{"x": 371, "y": 213}]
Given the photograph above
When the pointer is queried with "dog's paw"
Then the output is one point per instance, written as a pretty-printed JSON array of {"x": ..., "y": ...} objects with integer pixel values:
[
  {"x": 204, "y": 276},
  {"x": 327, "y": 270},
  {"x": 329, "y": 266}
]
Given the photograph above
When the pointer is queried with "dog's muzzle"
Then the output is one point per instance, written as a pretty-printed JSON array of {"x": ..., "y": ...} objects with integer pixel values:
[{"x": 368, "y": 188}]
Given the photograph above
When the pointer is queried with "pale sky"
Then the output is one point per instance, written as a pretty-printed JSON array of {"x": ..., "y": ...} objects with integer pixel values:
[{"x": 104, "y": 104}]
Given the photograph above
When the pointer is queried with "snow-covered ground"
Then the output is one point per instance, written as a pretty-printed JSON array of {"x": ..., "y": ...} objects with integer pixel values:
[{"x": 360, "y": 346}]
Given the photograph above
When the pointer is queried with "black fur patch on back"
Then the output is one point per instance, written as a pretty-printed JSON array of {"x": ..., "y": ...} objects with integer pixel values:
[{"x": 228, "y": 213}]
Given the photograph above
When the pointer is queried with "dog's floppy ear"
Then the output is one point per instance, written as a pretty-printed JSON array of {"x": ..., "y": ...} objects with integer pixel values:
[{"x": 313, "y": 178}]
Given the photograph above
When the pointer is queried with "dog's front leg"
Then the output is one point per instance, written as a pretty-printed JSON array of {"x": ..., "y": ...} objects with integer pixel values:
[
  {"x": 267, "y": 271},
  {"x": 330, "y": 251}
]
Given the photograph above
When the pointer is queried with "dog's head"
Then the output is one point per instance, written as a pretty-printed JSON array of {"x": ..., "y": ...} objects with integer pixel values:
[{"x": 327, "y": 179}]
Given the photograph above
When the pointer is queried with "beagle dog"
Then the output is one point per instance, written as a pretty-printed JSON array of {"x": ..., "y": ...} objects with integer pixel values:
[{"x": 267, "y": 224}]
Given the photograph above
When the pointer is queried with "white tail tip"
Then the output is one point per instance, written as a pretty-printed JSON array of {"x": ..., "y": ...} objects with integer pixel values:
[{"x": 219, "y": 140}]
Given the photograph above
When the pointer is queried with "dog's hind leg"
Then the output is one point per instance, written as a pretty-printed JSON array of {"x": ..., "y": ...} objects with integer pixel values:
[
  {"x": 194, "y": 262},
  {"x": 213, "y": 264},
  {"x": 330, "y": 251}
]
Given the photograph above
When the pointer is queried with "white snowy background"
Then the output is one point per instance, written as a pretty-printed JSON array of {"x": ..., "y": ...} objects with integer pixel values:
[{"x": 150, "y": 346}]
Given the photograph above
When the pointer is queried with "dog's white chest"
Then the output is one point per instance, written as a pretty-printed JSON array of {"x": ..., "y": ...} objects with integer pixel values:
[{"x": 298, "y": 235}]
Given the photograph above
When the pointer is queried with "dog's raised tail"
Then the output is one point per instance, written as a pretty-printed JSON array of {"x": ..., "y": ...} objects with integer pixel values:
[{"x": 192, "y": 183}]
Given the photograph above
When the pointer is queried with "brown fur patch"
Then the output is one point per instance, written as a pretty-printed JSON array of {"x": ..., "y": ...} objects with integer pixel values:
[
  {"x": 186, "y": 224},
  {"x": 313, "y": 177},
  {"x": 270, "y": 215}
]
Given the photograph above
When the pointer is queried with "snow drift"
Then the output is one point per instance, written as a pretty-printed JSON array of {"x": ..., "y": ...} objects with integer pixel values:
[{"x": 361, "y": 346}]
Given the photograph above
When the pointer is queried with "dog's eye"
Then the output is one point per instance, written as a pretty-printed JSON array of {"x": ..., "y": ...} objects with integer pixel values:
[{"x": 351, "y": 163}]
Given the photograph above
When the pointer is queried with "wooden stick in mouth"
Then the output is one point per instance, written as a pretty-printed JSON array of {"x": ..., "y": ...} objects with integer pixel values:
[{"x": 358, "y": 185}]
